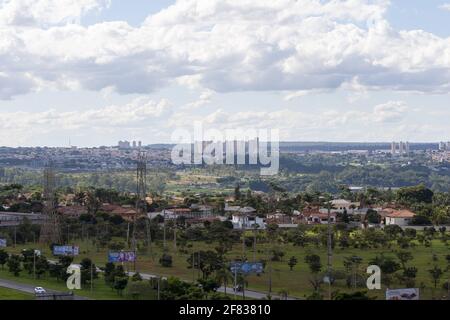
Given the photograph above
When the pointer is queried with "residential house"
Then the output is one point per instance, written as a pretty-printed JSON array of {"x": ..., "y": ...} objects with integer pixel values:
[
  {"x": 247, "y": 221},
  {"x": 315, "y": 216},
  {"x": 72, "y": 211},
  {"x": 400, "y": 218}
]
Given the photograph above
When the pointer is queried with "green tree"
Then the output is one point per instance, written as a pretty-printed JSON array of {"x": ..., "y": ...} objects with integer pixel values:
[
  {"x": 417, "y": 194},
  {"x": 14, "y": 265},
  {"x": 313, "y": 261},
  {"x": 224, "y": 276},
  {"x": 360, "y": 295},
  {"x": 166, "y": 260},
  {"x": 207, "y": 261},
  {"x": 3, "y": 257},
  {"x": 42, "y": 266},
  {"x": 120, "y": 283},
  {"x": 404, "y": 257},
  {"x": 373, "y": 216},
  {"x": 292, "y": 262},
  {"x": 109, "y": 273},
  {"x": 136, "y": 277},
  {"x": 88, "y": 270},
  {"x": 237, "y": 192},
  {"x": 436, "y": 274}
]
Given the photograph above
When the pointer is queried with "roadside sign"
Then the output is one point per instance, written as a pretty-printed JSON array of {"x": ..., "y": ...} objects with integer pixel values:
[
  {"x": 2, "y": 243},
  {"x": 403, "y": 294},
  {"x": 247, "y": 267},
  {"x": 123, "y": 256},
  {"x": 66, "y": 250}
]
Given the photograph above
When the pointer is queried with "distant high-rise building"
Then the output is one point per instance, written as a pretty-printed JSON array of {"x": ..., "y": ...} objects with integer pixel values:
[
  {"x": 444, "y": 146},
  {"x": 400, "y": 147},
  {"x": 393, "y": 148},
  {"x": 140, "y": 144},
  {"x": 124, "y": 145},
  {"x": 134, "y": 145}
]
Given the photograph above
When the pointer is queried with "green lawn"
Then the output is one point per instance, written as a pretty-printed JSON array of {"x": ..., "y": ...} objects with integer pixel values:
[
  {"x": 296, "y": 282},
  {"x": 9, "y": 294}
]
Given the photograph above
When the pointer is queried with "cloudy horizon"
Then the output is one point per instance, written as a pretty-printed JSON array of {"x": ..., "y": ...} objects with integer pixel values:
[{"x": 94, "y": 72}]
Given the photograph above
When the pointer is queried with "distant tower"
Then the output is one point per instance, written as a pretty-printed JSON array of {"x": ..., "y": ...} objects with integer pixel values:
[
  {"x": 141, "y": 192},
  {"x": 402, "y": 147},
  {"x": 140, "y": 144},
  {"x": 134, "y": 144},
  {"x": 393, "y": 148},
  {"x": 50, "y": 230}
]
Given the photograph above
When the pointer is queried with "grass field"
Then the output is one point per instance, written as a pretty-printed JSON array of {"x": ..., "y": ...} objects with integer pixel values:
[
  {"x": 9, "y": 294},
  {"x": 295, "y": 282}
]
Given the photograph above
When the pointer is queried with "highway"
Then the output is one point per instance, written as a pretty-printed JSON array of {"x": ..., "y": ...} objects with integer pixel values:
[
  {"x": 28, "y": 288},
  {"x": 249, "y": 294}
]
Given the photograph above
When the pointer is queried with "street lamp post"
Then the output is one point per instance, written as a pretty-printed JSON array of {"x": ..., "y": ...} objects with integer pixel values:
[{"x": 34, "y": 264}]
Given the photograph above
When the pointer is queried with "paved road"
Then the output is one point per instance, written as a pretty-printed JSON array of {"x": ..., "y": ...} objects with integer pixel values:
[
  {"x": 27, "y": 288},
  {"x": 248, "y": 293}
]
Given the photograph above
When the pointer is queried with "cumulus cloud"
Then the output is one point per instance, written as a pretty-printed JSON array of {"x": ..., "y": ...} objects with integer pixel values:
[
  {"x": 221, "y": 45},
  {"x": 392, "y": 111},
  {"x": 445, "y": 6},
  {"x": 141, "y": 113},
  {"x": 46, "y": 12}
]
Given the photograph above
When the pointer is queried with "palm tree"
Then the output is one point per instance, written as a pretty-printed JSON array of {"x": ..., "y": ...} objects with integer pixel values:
[{"x": 223, "y": 275}]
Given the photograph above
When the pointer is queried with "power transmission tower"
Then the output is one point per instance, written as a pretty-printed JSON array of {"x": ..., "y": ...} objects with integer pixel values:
[
  {"x": 50, "y": 230},
  {"x": 141, "y": 193},
  {"x": 329, "y": 248}
]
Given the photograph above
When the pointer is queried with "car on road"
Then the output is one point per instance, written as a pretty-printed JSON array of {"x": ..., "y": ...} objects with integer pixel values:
[
  {"x": 39, "y": 290},
  {"x": 238, "y": 288}
]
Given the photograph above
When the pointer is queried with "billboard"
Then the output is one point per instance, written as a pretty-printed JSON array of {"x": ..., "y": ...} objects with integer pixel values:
[
  {"x": 403, "y": 294},
  {"x": 66, "y": 250},
  {"x": 123, "y": 256},
  {"x": 247, "y": 267},
  {"x": 2, "y": 243}
]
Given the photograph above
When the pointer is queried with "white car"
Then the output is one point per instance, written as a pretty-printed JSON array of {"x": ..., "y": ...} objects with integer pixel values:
[{"x": 39, "y": 290}]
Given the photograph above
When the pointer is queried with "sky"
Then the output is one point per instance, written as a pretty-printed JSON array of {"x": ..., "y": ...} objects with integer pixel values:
[{"x": 93, "y": 72}]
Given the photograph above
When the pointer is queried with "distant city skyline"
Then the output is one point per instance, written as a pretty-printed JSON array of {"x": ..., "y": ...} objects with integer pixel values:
[
  {"x": 143, "y": 144},
  {"x": 100, "y": 71}
]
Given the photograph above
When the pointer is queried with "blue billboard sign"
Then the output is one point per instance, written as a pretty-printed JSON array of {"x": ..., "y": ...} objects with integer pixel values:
[
  {"x": 2, "y": 243},
  {"x": 247, "y": 267},
  {"x": 123, "y": 256},
  {"x": 66, "y": 250}
]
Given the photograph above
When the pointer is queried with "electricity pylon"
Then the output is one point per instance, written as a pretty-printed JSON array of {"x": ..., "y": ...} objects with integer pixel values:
[
  {"x": 141, "y": 193},
  {"x": 51, "y": 229}
]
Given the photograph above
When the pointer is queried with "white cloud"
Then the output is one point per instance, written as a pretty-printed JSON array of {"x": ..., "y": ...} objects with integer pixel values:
[
  {"x": 140, "y": 114},
  {"x": 204, "y": 99},
  {"x": 46, "y": 12},
  {"x": 392, "y": 111},
  {"x": 221, "y": 45},
  {"x": 445, "y": 6}
]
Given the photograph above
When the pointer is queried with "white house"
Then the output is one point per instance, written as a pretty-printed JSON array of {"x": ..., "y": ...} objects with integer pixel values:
[
  {"x": 244, "y": 221},
  {"x": 398, "y": 217},
  {"x": 342, "y": 205}
]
